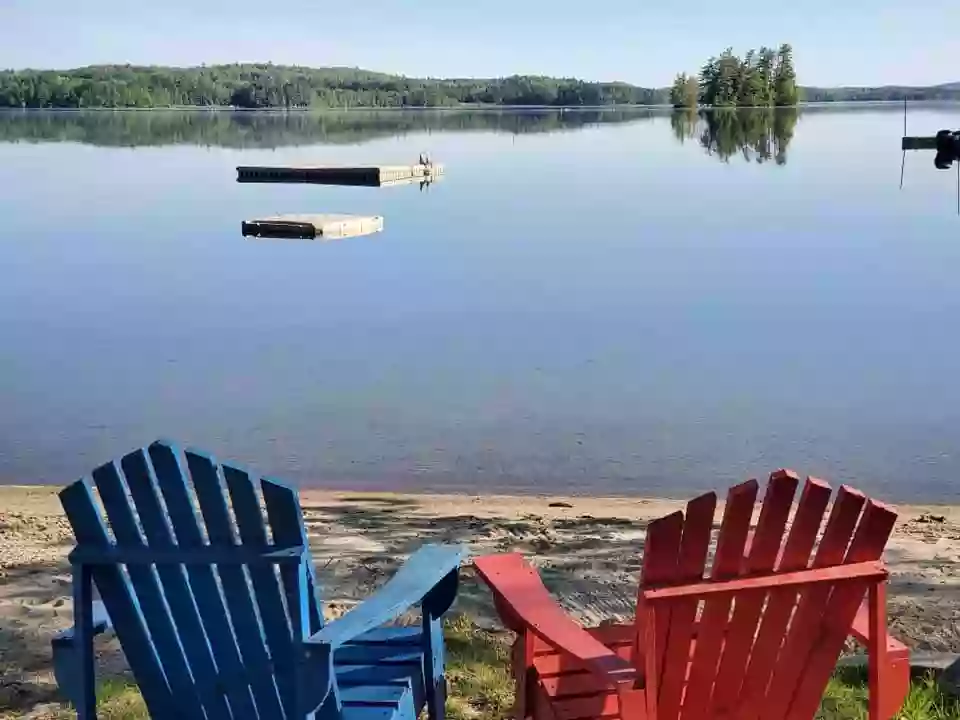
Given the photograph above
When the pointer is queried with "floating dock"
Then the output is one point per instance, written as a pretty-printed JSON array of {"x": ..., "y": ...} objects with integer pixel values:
[
  {"x": 373, "y": 176},
  {"x": 314, "y": 226},
  {"x": 919, "y": 143}
]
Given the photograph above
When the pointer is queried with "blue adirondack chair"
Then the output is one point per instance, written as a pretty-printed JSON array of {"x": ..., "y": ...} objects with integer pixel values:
[{"x": 218, "y": 614}]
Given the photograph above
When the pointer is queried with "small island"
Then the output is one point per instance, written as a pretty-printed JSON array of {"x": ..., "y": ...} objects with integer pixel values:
[{"x": 764, "y": 78}]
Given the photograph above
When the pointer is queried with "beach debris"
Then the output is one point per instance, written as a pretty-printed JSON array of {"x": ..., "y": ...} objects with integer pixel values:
[
  {"x": 560, "y": 504},
  {"x": 541, "y": 544},
  {"x": 928, "y": 518}
]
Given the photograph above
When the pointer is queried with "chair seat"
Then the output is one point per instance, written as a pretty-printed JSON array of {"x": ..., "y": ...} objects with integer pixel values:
[
  {"x": 381, "y": 674},
  {"x": 571, "y": 691},
  {"x": 378, "y": 702}
]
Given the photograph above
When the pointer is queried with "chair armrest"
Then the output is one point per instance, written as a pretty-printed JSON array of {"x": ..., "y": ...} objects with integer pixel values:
[
  {"x": 839, "y": 573},
  {"x": 101, "y": 624},
  {"x": 420, "y": 574},
  {"x": 520, "y": 594}
]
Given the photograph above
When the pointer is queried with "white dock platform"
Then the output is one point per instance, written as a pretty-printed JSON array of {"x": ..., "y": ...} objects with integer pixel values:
[
  {"x": 327, "y": 226},
  {"x": 372, "y": 176}
]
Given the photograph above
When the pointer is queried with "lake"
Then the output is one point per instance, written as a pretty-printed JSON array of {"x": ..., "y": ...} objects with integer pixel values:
[{"x": 621, "y": 302}]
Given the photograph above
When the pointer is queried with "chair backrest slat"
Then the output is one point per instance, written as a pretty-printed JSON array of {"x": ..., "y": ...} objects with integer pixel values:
[
  {"x": 811, "y": 604},
  {"x": 176, "y": 587},
  {"x": 874, "y": 530},
  {"x": 715, "y": 612},
  {"x": 269, "y": 595},
  {"x": 207, "y": 633},
  {"x": 286, "y": 523},
  {"x": 660, "y": 554},
  {"x": 765, "y": 652},
  {"x": 780, "y": 603},
  {"x": 237, "y": 588},
  {"x": 119, "y": 599},
  {"x": 762, "y": 558},
  {"x": 203, "y": 580},
  {"x": 145, "y": 582},
  {"x": 694, "y": 545}
]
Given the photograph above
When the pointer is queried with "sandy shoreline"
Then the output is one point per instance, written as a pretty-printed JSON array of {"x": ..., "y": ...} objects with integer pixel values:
[{"x": 588, "y": 550}]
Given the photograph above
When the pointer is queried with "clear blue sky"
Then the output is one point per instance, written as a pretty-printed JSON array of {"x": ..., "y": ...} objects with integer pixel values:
[{"x": 837, "y": 42}]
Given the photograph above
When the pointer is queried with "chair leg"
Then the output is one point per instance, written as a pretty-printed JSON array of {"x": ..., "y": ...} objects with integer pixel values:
[
  {"x": 83, "y": 643},
  {"x": 888, "y": 672},
  {"x": 439, "y": 709},
  {"x": 433, "y": 671},
  {"x": 523, "y": 654},
  {"x": 876, "y": 647},
  {"x": 541, "y": 707}
]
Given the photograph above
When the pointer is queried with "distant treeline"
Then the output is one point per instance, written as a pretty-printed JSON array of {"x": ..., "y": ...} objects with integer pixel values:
[
  {"x": 276, "y": 86},
  {"x": 888, "y": 93},
  {"x": 243, "y": 129}
]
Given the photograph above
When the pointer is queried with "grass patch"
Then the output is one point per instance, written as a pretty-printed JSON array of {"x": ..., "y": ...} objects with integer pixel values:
[
  {"x": 846, "y": 699},
  {"x": 480, "y": 686},
  {"x": 116, "y": 700}
]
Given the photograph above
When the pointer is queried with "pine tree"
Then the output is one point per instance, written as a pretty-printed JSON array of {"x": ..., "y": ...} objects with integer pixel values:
[
  {"x": 691, "y": 92},
  {"x": 766, "y": 65},
  {"x": 676, "y": 91},
  {"x": 785, "y": 85},
  {"x": 683, "y": 93},
  {"x": 752, "y": 86},
  {"x": 728, "y": 80},
  {"x": 709, "y": 82}
]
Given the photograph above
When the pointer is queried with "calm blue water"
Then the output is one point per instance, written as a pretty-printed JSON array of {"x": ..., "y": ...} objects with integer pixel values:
[{"x": 598, "y": 308}]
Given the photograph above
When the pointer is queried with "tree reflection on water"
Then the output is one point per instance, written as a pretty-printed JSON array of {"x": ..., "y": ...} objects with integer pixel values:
[{"x": 759, "y": 135}]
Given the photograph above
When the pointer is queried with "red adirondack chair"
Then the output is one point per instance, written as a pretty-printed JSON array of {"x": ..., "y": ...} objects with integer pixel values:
[{"x": 755, "y": 639}]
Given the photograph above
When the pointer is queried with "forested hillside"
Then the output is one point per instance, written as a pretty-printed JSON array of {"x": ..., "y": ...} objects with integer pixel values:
[
  {"x": 274, "y": 86},
  {"x": 277, "y": 86}
]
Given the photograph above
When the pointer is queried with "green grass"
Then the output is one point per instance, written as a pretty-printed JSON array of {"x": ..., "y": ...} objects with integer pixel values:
[
  {"x": 480, "y": 686},
  {"x": 116, "y": 700},
  {"x": 846, "y": 699}
]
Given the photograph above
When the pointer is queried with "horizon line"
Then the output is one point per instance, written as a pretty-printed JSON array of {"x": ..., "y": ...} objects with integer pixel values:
[{"x": 433, "y": 78}]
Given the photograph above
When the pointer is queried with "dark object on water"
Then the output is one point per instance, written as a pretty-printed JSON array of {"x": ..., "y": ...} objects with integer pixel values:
[
  {"x": 948, "y": 149},
  {"x": 945, "y": 142}
]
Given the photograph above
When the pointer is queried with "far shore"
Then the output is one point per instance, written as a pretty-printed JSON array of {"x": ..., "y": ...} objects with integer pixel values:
[
  {"x": 588, "y": 550},
  {"x": 474, "y": 106}
]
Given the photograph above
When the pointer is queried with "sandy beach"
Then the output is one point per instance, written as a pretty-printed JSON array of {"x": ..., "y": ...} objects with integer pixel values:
[{"x": 588, "y": 550}]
